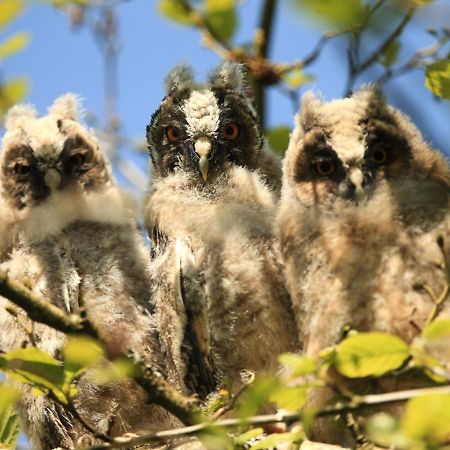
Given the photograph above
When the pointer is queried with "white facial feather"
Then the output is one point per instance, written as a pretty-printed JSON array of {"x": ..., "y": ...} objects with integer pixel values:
[
  {"x": 18, "y": 115},
  {"x": 202, "y": 113},
  {"x": 68, "y": 106}
]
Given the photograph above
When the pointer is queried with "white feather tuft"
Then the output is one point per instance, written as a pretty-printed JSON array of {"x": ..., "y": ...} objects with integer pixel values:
[
  {"x": 230, "y": 75},
  {"x": 68, "y": 106},
  {"x": 18, "y": 115},
  {"x": 179, "y": 75}
]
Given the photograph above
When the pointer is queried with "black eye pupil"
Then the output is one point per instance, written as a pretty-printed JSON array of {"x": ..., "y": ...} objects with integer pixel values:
[
  {"x": 76, "y": 159},
  {"x": 21, "y": 169},
  {"x": 379, "y": 155},
  {"x": 325, "y": 167},
  {"x": 229, "y": 130}
]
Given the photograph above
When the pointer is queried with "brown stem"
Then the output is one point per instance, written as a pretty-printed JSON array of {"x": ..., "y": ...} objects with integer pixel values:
[{"x": 341, "y": 408}]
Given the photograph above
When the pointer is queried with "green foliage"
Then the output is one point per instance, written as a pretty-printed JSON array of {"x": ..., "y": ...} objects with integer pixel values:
[
  {"x": 13, "y": 44},
  {"x": 9, "y": 424},
  {"x": 297, "y": 78},
  {"x": 9, "y": 10},
  {"x": 175, "y": 11},
  {"x": 385, "y": 430},
  {"x": 248, "y": 436},
  {"x": 390, "y": 54},
  {"x": 428, "y": 418},
  {"x": 297, "y": 364},
  {"x": 81, "y": 352},
  {"x": 370, "y": 354},
  {"x": 437, "y": 78},
  {"x": 348, "y": 14},
  {"x": 273, "y": 440},
  {"x": 278, "y": 138}
]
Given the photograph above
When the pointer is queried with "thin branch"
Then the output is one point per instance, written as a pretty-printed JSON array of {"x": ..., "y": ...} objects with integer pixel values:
[
  {"x": 356, "y": 404},
  {"x": 158, "y": 389}
]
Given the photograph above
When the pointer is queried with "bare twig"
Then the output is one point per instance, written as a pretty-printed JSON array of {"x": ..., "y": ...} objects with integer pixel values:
[
  {"x": 356, "y": 404},
  {"x": 158, "y": 389}
]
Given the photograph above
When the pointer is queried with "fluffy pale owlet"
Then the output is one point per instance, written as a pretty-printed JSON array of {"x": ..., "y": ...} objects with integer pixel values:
[
  {"x": 364, "y": 219},
  {"x": 218, "y": 286},
  {"x": 75, "y": 241}
]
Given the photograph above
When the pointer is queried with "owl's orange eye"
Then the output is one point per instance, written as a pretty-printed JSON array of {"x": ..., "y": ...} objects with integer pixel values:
[
  {"x": 173, "y": 134},
  {"x": 378, "y": 155},
  {"x": 231, "y": 131},
  {"x": 21, "y": 169},
  {"x": 324, "y": 168}
]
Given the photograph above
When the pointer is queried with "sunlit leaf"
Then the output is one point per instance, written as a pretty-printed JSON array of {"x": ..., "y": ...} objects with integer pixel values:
[
  {"x": 343, "y": 14},
  {"x": 437, "y": 78},
  {"x": 114, "y": 371},
  {"x": 257, "y": 395},
  {"x": 370, "y": 354},
  {"x": 428, "y": 418},
  {"x": 33, "y": 366},
  {"x": 290, "y": 398},
  {"x": 14, "y": 44},
  {"x": 220, "y": 5},
  {"x": 11, "y": 92},
  {"x": 9, "y": 9},
  {"x": 278, "y": 138},
  {"x": 223, "y": 23},
  {"x": 273, "y": 440},
  {"x": 385, "y": 430},
  {"x": 438, "y": 329},
  {"x": 215, "y": 439},
  {"x": 296, "y": 78},
  {"x": 9, "y": 423},
  {"x": 390, "y": 55},
  {"x": 248, "y": 435},
  {"x": 299, "y": 365},
  {"x": 81, "y": 352},
  {"x": 175, "y": 10}
]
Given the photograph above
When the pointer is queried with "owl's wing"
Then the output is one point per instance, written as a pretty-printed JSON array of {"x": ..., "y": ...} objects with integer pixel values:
[{"x": 196, "y": 345}]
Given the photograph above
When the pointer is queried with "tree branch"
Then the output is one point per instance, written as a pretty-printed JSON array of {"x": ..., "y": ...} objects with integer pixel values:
[
  {"x": 356, "y": 404},
  {"x": 158, "y": 389}
]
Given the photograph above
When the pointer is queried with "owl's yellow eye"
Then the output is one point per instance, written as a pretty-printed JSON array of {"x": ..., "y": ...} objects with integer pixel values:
[
  {"x": 324, "y": 168},
  {"x": 378, "y": 155},
  {"x": 173, "y": 134},
  {"x": 231, "y": 131}
]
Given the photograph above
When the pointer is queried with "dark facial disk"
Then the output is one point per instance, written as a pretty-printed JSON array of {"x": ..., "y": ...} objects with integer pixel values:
[
  {"x": 25, "y": 176},
  {"x": 175, "y": 142},
  {"x": 386, "y": 154}
]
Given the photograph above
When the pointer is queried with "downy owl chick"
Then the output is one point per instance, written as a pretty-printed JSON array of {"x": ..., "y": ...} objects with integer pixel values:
[
  {"x": 75, "y": 241},
  {"x": 364, "y": 218},
  {"x": 218, "y": 285}
]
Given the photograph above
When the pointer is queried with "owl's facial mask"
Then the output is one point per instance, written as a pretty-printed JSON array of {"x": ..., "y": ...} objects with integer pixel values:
[{"x": 203, "y": 128}]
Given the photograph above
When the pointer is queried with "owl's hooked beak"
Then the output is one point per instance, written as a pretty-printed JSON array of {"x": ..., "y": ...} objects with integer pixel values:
[
  {"x": 356, "y": 178},
  {"x": 52, "y": 178},
  {"x": 202, "y": 147}
]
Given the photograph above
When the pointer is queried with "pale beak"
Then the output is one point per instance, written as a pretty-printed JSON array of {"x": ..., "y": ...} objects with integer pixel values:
[
  {"x": 52, "y": 179},
  {"x": 356, "y": 177},
  {"x": 202, "y": 147}
]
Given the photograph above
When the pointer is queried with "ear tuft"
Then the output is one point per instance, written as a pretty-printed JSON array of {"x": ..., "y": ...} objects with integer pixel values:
[
  {"x": 309, "y": 109},
  {"x": 230, "y": 75},
  {"x": 19, "y": 114},
  {"x": 179, "y": 75},
  {"x": 68, "y": 106}
]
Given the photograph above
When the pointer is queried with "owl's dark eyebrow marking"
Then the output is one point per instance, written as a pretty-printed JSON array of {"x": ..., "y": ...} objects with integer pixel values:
[
  {"x": 75, "y": 142},
  {"x": 59, "y": 124}
]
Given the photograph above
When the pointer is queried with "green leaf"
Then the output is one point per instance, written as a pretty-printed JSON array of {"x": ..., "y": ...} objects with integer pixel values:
[
  {"x": 118, "y": 370},
  {"x": 174, "y": 10},
  {"x": 220, "y": 5},
  {"x": 383, "y": 429},
  {"x": 222, "y": 22},
  {"x": 428, "y": 418},
  {"x": 81, "y": 352},
  {"x": 248, "y": 435},
  {"x": 343, "y": 14},
  {"x": 296, "y": 78},
  {"x": 12, "y": 92},
  {"x": 299, "y": 365},
  {"x": 34, "y": 367},
  {"x": 290, "y": 398},
  {"x": 257, "y": 395},
  {"x": 438, "y": 329},
  {"x": 273, "y": 440},
  {"x": 278, "y": 138},
  {"x": 390, "y": 55},
  {"x": 437, "y": 78},
  {"x": 9, "y": 10},
  {"x": 9, "y": 423},
  {"x": 370, "y": 354},
  {"x": 14, "y": 44}
]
